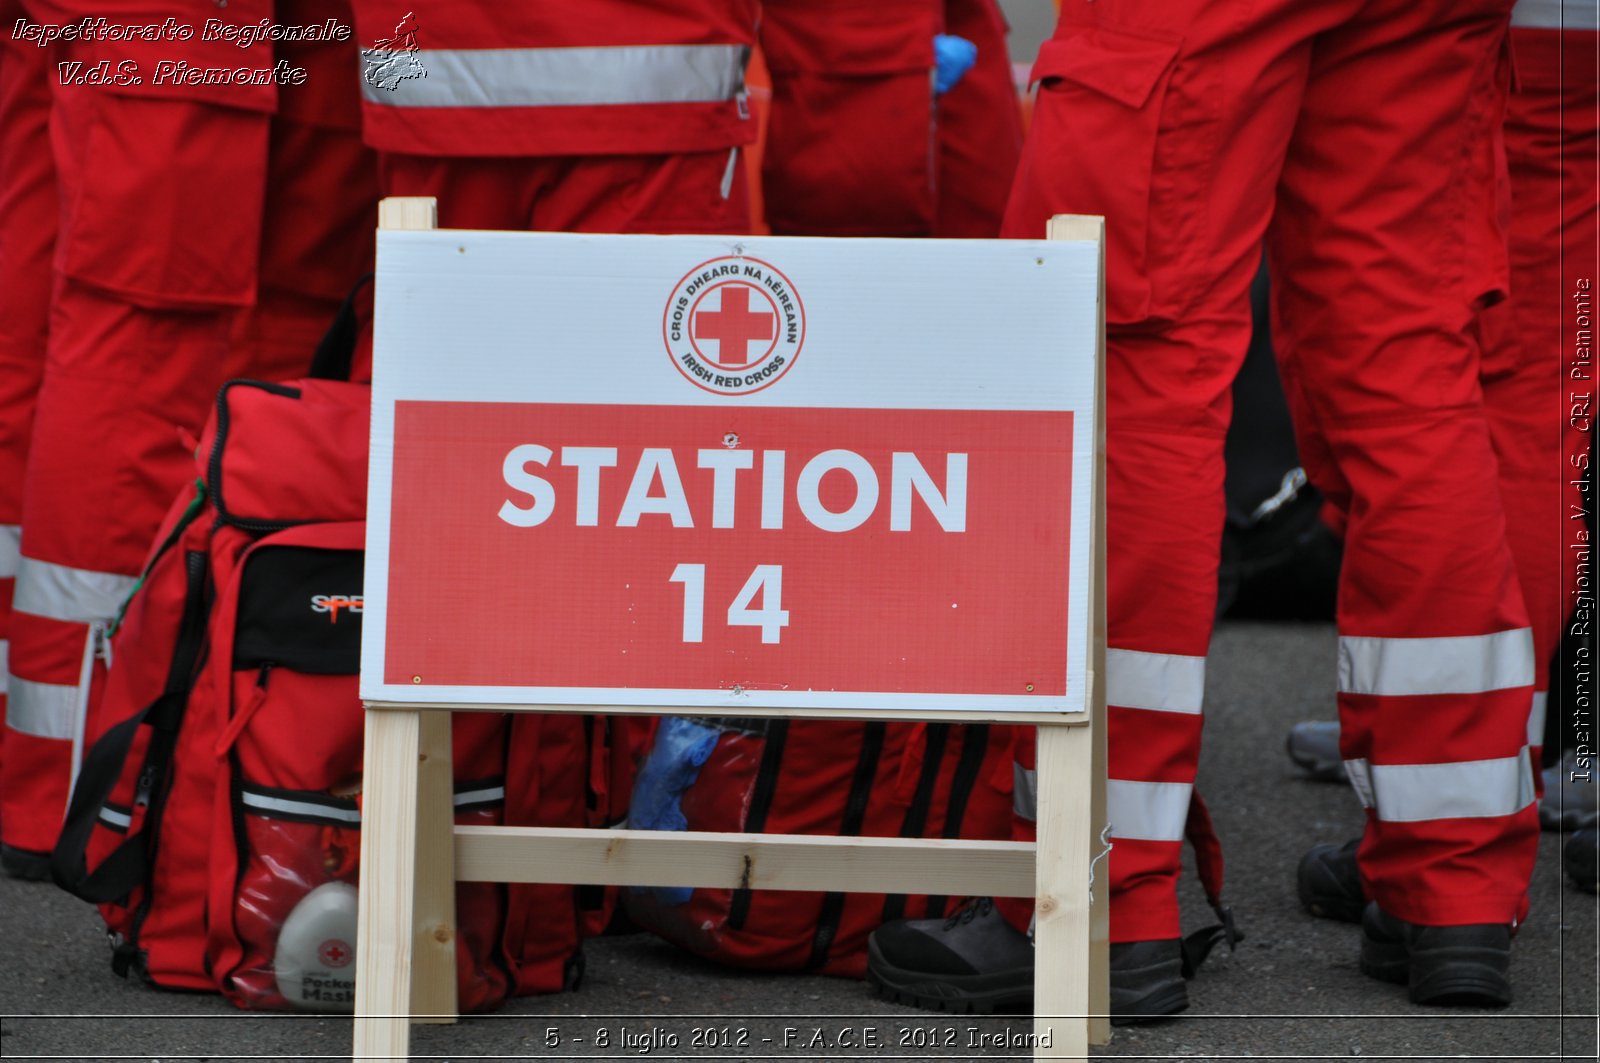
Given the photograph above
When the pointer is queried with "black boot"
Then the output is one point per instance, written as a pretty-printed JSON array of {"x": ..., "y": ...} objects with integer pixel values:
[
  {"x": 974, "y": 961},
  {"x": 24, "y": 864},
  {"x": 1330, "y": 883},
  {"x": 1445, "y": 965},
  {"x": 1147, "y": 981}
]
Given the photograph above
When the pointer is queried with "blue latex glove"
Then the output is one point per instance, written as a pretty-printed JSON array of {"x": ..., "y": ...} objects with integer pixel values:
[
  {"x": 952, "y": 57},
  {"x": 681, "y": 747}
]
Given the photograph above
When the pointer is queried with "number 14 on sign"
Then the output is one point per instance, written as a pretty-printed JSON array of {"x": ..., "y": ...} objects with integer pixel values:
[{"x": 765, "y": 580}]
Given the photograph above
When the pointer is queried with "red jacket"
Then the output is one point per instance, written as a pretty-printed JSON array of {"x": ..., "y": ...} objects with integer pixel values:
[{"x": 555, "y": 78}]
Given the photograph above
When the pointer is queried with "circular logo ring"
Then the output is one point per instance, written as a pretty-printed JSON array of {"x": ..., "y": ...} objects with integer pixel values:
[{"x": 733, "y": 325}]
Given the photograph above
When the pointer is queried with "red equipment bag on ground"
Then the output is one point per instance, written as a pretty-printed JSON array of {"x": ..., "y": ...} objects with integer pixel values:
[
  {"x": 875, "y": 779},
  {"x": 281, "y": 911},
  {"x": 564, "y": 771},
  {"x": 138, "y": 834},
  {"x": 215, "y": 817}
]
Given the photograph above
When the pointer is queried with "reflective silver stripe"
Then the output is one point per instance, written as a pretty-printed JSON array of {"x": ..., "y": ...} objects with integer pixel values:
[
  {"x": 1468, "y": 789},
  {"x": 43, "y": 710},
  {"x": 112, "y": 817},
  {"x": 1556, "y": 14},
  {"x": 484, "y": 796},
  {"x": 11, "y": 549},
  {"x": 1147, "y": 811},
  {"x": 92, "y": 639},
  {"x": 318, "y": 810},
  {"x": 289, "y": 806},
  {"x": 726, "y": 188},
  {"x": 5, "y": 666},
  {"x": 1463, "y": 664},
  {"x": 73, "y": 595},
  {"x": 1360, "y": 774},
  {"x": 1541, "y": 700},
  {"x": 1163, "y": 682},
  {"x": 1024, "y": 792},
  {"x": 569, "y": 77}
]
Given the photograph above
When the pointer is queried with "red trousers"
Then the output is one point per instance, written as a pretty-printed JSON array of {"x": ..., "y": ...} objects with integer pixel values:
[
  {"x": 27, "y": 239},
  {"x": 857, "y": 142},
  {"x": 1538, "y": 389},
  {"x": 1358, "y": 140},
  {"x": 168, "y": 231}
]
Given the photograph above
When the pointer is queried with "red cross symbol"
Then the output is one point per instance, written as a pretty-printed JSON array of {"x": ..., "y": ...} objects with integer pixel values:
[
  {"x": 335, "y": 953},
  {"x": 734, "y": 326}
]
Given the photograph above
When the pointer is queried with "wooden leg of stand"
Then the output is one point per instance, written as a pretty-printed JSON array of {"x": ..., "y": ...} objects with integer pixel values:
[
  {"x": 1061, "y": 925},
  {"x": 433, "y": 956},
  {"x": 405, "y": 943}
]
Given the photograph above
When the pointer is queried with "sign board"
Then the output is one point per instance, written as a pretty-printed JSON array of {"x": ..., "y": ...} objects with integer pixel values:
[{"x": 731, "y": 473}]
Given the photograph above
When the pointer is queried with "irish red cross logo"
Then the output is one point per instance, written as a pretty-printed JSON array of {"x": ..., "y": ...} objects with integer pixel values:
[
  {"x": 335, "y": 953},
  {"x": 734, "y": 325}
]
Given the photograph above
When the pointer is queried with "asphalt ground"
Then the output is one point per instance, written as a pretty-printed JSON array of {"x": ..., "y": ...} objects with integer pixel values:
[{"x": 1292, "y": 989}]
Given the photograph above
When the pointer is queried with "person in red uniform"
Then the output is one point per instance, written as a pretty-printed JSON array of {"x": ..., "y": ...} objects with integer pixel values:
[
  {"x": 1539, "y": 364},
  {"x": 28, "y": 206},
  {"x": 1357, "y": 138},
  {"x": 1536, "y": 382},
  {"x": 163, "y": 183}
]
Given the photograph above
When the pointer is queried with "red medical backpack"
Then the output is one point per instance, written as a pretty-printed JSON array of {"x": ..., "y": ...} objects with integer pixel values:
[{"x": 910, "y": 780}]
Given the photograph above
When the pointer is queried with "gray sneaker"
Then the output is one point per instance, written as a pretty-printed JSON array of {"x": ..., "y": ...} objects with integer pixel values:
[{"x": 1314, "y": 746}]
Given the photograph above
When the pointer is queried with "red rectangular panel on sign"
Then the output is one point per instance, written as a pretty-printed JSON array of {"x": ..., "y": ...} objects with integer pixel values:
[{"x": 706, "y": 548}]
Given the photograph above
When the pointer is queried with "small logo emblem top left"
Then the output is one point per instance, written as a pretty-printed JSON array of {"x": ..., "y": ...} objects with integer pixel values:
[
  {"x": 391, "y": 61},
  {"x": 734, "y": 325}
]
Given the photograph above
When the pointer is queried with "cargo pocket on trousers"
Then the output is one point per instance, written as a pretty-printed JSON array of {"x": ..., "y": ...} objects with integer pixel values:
[
  {"x": 1097, "y": 118},
  {"x": 162, "y": 198}
]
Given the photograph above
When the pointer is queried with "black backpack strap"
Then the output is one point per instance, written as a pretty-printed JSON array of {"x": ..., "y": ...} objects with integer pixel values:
[
  {"x": 1202, "y": 835},
  {"x": 124, "y": 869},
  {"x": 106, "y": 762},
  {"x": 935, "y": 736},
  {"x": 337, "y": 349},
  {"x": 776, "y": 736},
  {"x": 855, "y": 814}
]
